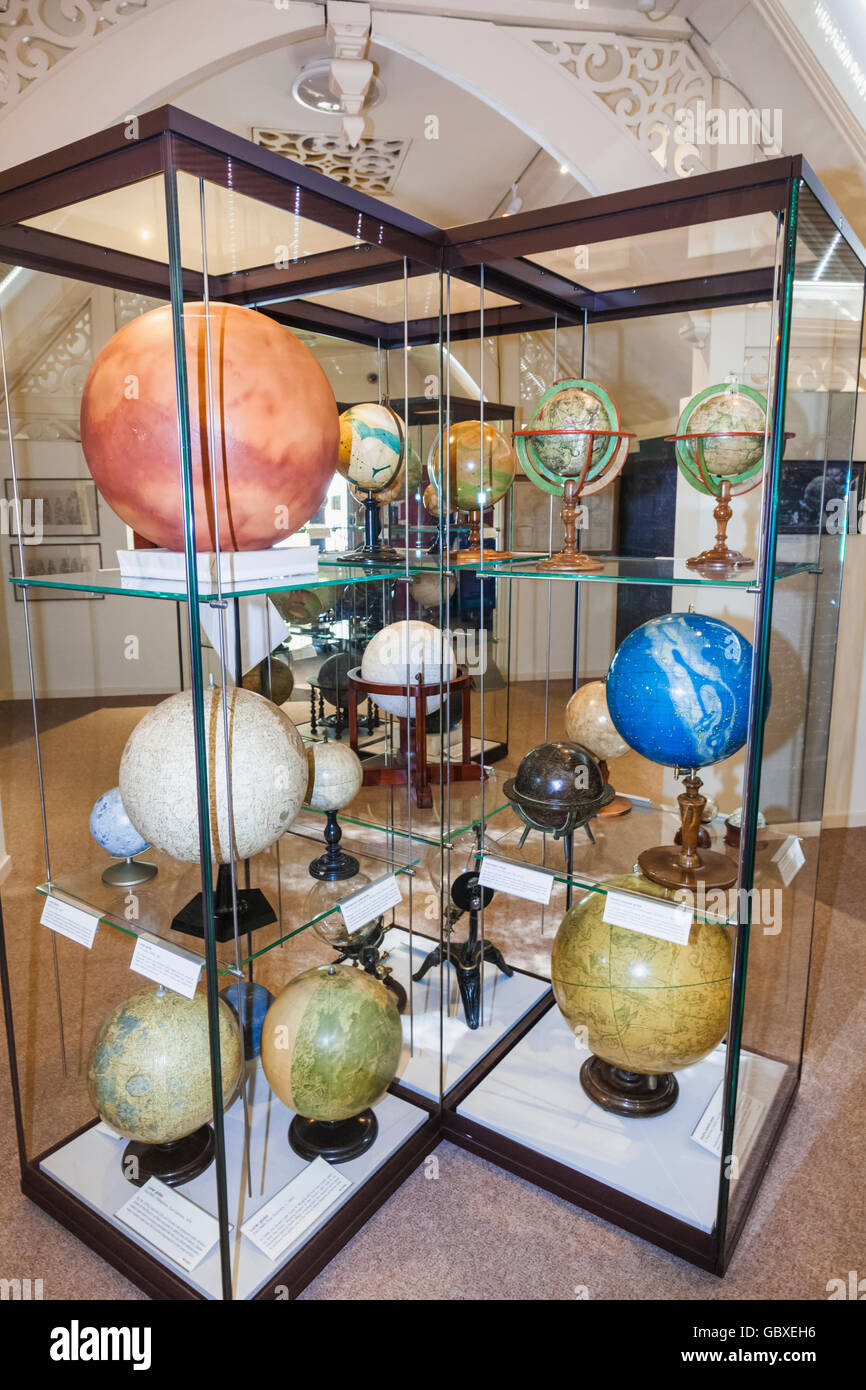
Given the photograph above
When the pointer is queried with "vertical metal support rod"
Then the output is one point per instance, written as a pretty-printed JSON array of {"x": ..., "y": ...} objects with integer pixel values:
[
  {"x": 757, "y": 693},
  {"x": 196, "y": 683}
]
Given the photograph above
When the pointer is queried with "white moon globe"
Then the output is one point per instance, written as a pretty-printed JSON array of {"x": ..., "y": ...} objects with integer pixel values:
[
  {"x": 588, "y": 722},
  {"x": 336, "y": 775},
  {"x": 268, "y": 768},
  {"x": 402, "y": 652}
]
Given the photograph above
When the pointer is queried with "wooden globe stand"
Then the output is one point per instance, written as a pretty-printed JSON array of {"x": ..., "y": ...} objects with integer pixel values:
[
  {"x": 411, "y": 765},
  {"x": 569, "y": 559},
  {"x": 475, "y": 553},
  {"x": 688, "y": 866},
  {"x": 620, "y": 806},
  {"x": 174, "y": 1163},
  {"x": 634, "y": 1094},
  {"x": 719, "y": 559}
]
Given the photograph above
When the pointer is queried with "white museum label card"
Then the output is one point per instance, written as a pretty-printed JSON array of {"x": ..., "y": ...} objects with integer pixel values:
[
  {"x": 302, "y": 1201},
  {"x": 789, "y": 858},
  {"x": 708, "y": 1130},
  {"x": 167, "y": 965},
  {"x": 536, "y": 885},
  {"x": 652, "y": 916},
  {"x": 171, "y": 1223},
  {"x": 368, "y": 903},
  {"x": 70, "y": 921}
]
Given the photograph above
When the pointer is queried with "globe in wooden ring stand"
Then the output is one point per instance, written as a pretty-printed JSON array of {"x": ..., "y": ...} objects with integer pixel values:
[
  {"x": 411, "y": 765},
  {"x": 569, "y": 558},
  {"x": 719, "y": 559},
  {"x": 688, "y": 865}
]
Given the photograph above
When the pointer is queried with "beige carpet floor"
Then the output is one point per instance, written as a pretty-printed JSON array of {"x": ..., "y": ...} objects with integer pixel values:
[{"x": 473, "y": 1231}]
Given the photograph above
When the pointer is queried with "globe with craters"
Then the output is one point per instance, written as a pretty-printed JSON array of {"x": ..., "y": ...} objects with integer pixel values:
[
  {"x": 331, "y": 1043},
  {"x": 149, "y": 1075},
  {"x": 636, "y": 1001}
]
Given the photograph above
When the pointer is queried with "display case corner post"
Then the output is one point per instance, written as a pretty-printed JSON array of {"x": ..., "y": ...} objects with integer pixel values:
[
  {"x": 783, "y": 291},
  {"x": 196, "y": 685},
  {"x": 6, "y": 993}
]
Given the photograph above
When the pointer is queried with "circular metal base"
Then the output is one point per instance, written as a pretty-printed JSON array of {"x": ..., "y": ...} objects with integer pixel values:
[
  {"x": 333, "y": 868},
  {"x": 620, "y": 806},
  {"x": 126, "y": 873},
  {"x": 630, "y": 1093},
  {"x": 174, "y": 1163},
  {"x": 381, "y": 555},
  {"x": 337, "y": 1141},
  {"x": 574, "y": 563},
  {"x": 662, "y": 866}
]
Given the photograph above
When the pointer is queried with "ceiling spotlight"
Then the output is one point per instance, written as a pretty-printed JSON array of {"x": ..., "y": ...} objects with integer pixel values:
[{"x": 516, "y": 202}]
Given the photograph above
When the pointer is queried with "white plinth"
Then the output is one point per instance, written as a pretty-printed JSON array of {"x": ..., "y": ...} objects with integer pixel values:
[
  {"x": 505, "y": 1001},
  {"x": 90, "y": 1167},
  {"x": 534, "y": 1096}
]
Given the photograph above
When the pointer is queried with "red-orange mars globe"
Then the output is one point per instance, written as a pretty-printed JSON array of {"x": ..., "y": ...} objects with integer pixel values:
[{"x": 276, "y": 428}]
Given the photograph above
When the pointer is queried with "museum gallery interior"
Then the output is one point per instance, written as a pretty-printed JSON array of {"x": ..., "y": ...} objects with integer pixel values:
[{"x": 432, "y": 659}]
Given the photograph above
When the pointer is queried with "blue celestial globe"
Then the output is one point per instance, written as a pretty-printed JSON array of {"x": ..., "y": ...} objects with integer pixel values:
[
  {"x": 250, "y": 1002},
  {"x": 678, "y": 690},
  {"x": 112, "y": 829}
]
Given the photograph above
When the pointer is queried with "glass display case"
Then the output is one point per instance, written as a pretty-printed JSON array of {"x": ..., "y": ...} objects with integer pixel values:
[{"x": 521, "y": 781}]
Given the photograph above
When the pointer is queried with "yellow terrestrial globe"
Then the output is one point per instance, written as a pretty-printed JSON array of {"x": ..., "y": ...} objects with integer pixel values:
[{"x": 638, "y": 1002}]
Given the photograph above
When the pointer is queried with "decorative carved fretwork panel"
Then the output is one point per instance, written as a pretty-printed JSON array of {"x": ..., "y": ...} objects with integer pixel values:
[
  {"x": 46, "y": 394},
  {"x": 36, "y": 35},
  {"x": 644, "y": 82},
  {"x": 129, "y": 306},
  {"x": 371, "y": 166}
]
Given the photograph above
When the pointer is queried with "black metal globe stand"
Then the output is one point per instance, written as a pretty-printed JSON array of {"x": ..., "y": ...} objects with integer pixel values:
[
  {"x": 372, "y": 552},
  {"x": 337, "y": 1141},
  {"x": 466, "y": 956},
  {"x": 254, "y": 910},
  {"x": 335, "y": 864},
  {"x": 174, "y": 1163}
]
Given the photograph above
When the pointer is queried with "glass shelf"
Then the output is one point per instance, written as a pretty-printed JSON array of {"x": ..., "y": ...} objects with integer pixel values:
[
  {"x": 618, "y": 842},
  {"x": 386, "y": 809},
  {"x": 112, "y": 582},
  {"x": 279, "y": 872},
  {"x": 619, "y": 569}
]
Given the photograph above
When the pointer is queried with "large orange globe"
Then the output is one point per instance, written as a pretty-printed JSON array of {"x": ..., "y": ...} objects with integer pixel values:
[{"x": 276, "y": 428}]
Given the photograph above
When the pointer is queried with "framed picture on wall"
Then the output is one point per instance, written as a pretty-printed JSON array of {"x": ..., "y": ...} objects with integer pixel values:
[
  {"x": 69, "y": 505},
  {"x": 54, "y": 562}
]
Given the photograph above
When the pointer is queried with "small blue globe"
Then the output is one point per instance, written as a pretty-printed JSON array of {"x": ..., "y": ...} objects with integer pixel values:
[
  {"x": 250, "y": 1002},
  {"x": 678, "y": 690},
  {"x": 112, "y": 829}
]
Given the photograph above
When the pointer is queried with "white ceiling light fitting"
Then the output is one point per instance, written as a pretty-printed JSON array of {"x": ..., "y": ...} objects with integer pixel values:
[
  {"x": 352, "y": 73},
  {"x": 312, "y": 89}
]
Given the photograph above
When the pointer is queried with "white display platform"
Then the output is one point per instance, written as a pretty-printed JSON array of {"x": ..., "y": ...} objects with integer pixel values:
[
  {"x": 534, "y": 1097},
  {"x": 89, "y": 1166},
  {"x": 505, "y": 1003},
  {"x": 235, "y": 566}
]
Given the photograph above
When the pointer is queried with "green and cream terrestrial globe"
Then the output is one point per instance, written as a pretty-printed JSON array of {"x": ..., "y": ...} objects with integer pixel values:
[
  {"x": 149, "y": 1075},
  {"x": 714, "y": 411},
  {"x": 372, "y": 440},
  {"x": 638, "y": 1002},
  {"x": 331, "y": 1043},
  {"x": 572, "y": 405},
  {"x": 481, "y": 466}
]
